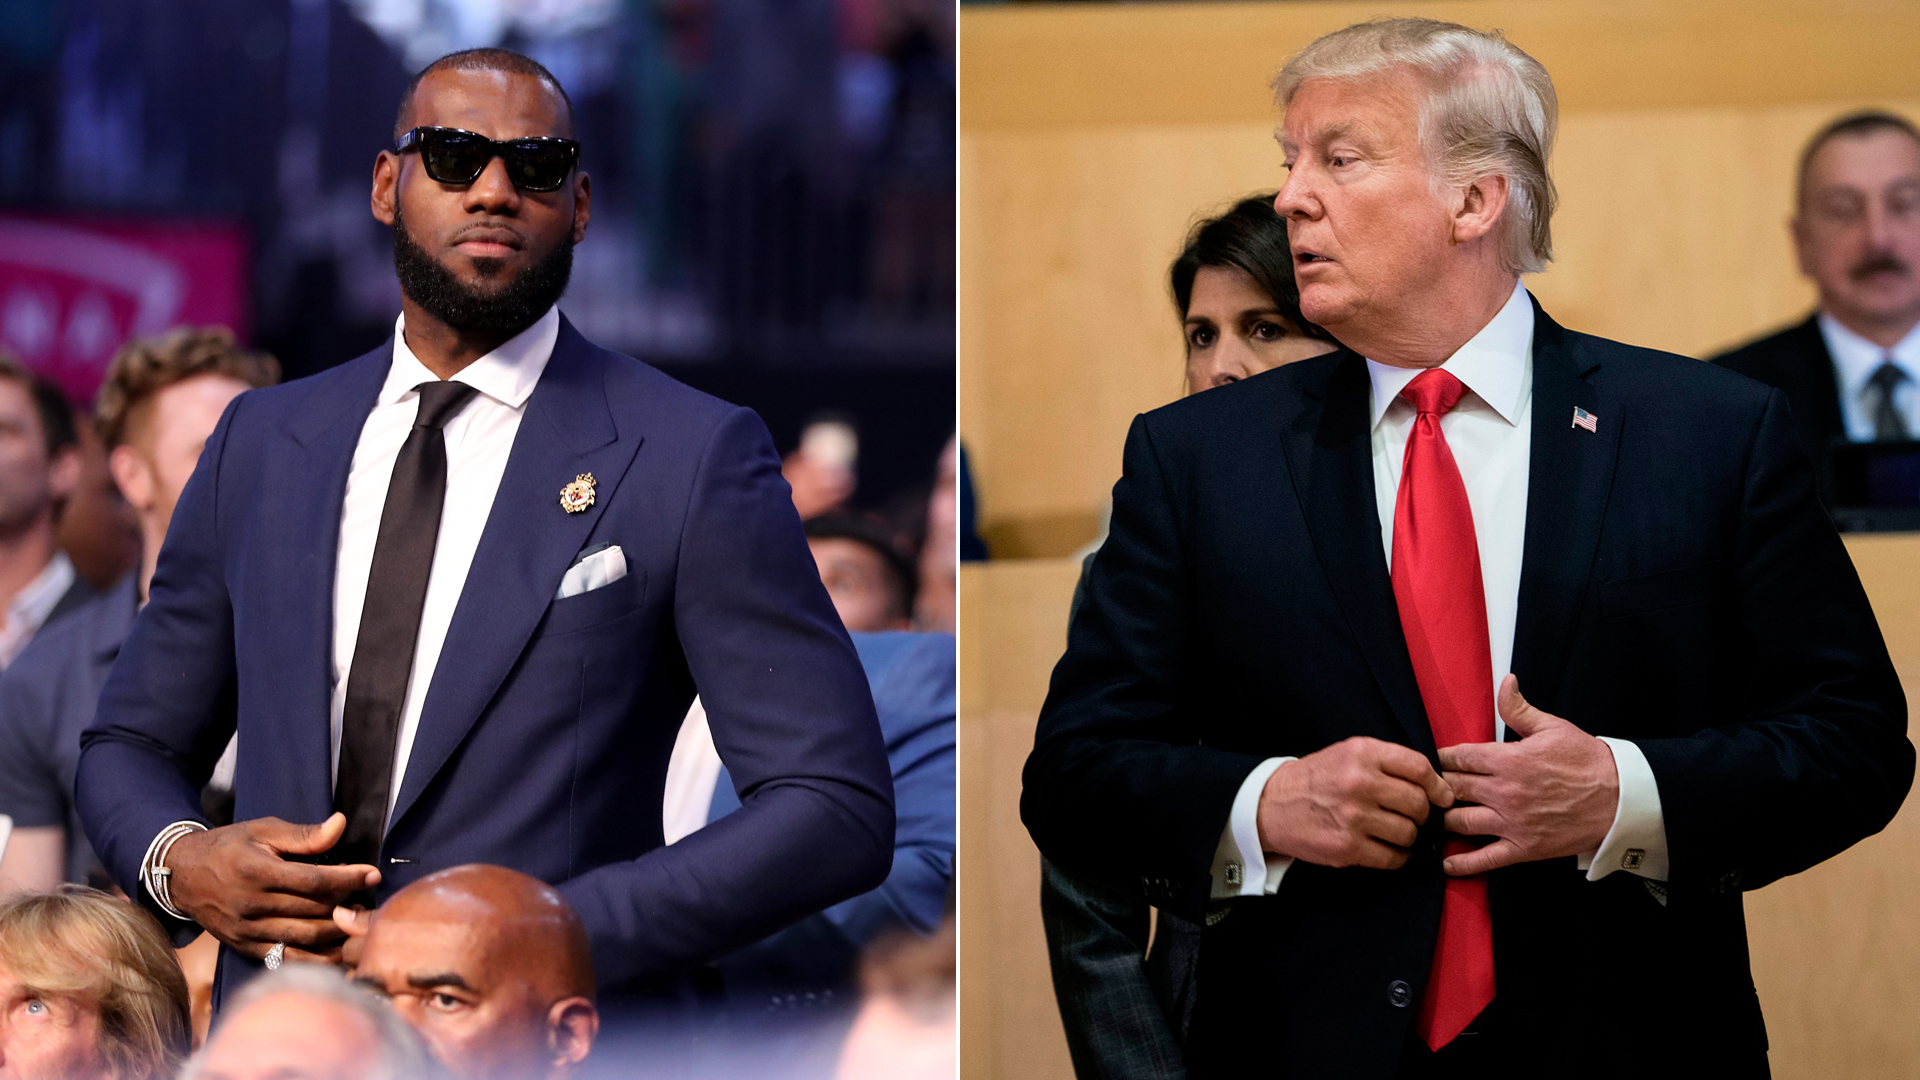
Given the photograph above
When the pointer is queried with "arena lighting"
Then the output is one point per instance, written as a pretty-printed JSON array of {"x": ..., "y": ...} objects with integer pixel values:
[{"x": 427, "y": 29}]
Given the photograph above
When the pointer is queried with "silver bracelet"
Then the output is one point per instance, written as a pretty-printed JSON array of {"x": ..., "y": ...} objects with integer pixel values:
[{"x": 154, "y": 872}]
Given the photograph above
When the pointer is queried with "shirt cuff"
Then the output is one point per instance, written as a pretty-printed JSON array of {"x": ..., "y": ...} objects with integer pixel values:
[
  {"x": 1239, "y": 845},
  {"x": 1637, "y": 842}
]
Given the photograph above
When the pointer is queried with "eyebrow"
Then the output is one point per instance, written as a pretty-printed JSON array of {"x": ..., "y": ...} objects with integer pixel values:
[
  {"x": 1345, "y": 129},
  {"x": 1332, "y": 132},
  {"x": 428, "y": 982}
]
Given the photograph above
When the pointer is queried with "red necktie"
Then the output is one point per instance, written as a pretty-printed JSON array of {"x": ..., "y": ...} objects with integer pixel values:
[{"x": 1443, "y": 613}]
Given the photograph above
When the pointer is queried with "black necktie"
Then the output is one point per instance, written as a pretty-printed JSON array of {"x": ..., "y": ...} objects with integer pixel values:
[
  {"x": 390, "y": 624},
  {"x": 1888, "y": 426}
]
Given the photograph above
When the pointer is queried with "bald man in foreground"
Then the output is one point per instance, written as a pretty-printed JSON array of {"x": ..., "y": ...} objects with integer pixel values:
[
  {"x": 304, "y": 1022},
  {"x": 490, "y": 966}
]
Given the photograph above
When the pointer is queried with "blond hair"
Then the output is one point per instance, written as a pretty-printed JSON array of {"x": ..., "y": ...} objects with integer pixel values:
[
  {"x": 1488, "y": 110},
  {"x": 80, "y": 942},
  {"x": 144, "y": 367}
]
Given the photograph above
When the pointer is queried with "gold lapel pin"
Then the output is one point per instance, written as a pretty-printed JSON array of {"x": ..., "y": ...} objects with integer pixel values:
[{"x": 577, "y": 496}]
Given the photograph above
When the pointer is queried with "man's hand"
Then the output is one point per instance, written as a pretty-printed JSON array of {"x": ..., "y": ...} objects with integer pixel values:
[
  {"x": 234, "y": 882},
  {"x": 354, "y": 922},
  {"x": 1359, "y": 802},
  {"x": 1549, "y": 795}
]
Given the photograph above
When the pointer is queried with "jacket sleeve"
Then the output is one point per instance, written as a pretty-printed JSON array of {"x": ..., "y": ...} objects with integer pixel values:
[
  {"x": 912, "y": 676},
  {"x": 167, "y": 707},
  {"x": 1119, "y": 787},
  {"x": 792, "y": 718},
  {"x": 1819, "y": 758}
]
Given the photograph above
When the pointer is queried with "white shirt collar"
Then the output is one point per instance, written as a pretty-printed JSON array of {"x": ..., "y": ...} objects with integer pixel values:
[
  {"x": 1493, "y": 363},
  {"x": 1855, "y": 358},
  {"x": 32, "y": 604},
  {"x": 508, "y": 374}
]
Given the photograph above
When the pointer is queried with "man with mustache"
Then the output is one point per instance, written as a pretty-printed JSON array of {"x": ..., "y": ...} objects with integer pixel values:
[
  {"x": 457, "y": 595},
  {"x": 1851, "y": 370}
]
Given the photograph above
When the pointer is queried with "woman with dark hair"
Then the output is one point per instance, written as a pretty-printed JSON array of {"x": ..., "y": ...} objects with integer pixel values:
[
  {"x": 1239, "y": 308},
  {"x": 1125, "y": 1008}
]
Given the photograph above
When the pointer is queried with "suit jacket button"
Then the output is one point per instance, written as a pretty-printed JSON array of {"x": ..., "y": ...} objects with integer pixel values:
[{"x": 1399, "y": 993}]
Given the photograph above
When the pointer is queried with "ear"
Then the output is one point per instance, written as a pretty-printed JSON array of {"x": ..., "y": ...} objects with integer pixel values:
[
  {"x": 133, "y": 476},
  {"x": 572, "y": 1025},
  {"x": 63, "y": 473},
  {"x": 386, "y": 185},
  {"x": 582, "y": 204},
  {"x": 1479, "y": 209}
]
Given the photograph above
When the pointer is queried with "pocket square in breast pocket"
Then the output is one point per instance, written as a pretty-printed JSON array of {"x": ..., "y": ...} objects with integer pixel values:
[{"x": 594, "y": 570}]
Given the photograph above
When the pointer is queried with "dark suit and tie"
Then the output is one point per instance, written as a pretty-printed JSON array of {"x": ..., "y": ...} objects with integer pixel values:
[
  {"x": 1870, "y": 395},
  {"x": 1840, "y": 387},
  {"x": 1796, "y": 362},
  {"x": 1679, "y": 592},
  {"x": 542, "y": 702}
]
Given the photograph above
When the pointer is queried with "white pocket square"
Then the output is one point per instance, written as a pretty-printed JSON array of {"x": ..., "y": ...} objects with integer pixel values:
[{"x": 596, "y": 570}]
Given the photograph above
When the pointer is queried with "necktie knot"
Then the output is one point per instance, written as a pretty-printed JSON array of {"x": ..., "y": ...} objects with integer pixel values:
[
  {"x": 439, "y": 401},
  {"x": 1435, "y": 391},
  {"x": 1888, "y": 424},
  {"x": 1887, "y": 376}
]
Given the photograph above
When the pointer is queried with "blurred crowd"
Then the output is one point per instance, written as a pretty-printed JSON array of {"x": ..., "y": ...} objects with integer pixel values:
[
  {"x": 476, "y": 973},
  {"x": 480, "y": 971},
  {"x": 888, "y": 569}
]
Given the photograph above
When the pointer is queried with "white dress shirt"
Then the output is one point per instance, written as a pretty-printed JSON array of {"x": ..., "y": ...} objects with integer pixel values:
[
  {"x": 479, "y": 439},
  {"x": 29, "y": 608},
  {"x": 1490, "y": 434},
  {"x": 693, "y": 773},
  {"x": 1854, "y": 361}
]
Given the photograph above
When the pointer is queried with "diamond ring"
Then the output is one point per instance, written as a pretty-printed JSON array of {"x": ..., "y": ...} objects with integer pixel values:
[{"x": 275, "y": 955}]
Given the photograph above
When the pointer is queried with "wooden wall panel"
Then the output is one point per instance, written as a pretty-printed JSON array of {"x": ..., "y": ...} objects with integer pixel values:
[
  {"x": 1066, "y": 66},
  {"x": 1014, "y": 629}
]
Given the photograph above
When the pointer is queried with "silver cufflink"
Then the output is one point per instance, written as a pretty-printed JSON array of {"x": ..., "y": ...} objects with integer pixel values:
[
  {"x": 1233, "y": 873},
  {"x": 1631, "y": 860}
]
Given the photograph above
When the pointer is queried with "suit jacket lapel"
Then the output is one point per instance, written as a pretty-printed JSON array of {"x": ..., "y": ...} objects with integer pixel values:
[
  {"x": 307, "y": 513},
  {"x": 1330, "y": 454},
  {"x": 1822, "y": 388},
  {"x": 1570, "y": 475},
  {"x": 528, "y": 543}
]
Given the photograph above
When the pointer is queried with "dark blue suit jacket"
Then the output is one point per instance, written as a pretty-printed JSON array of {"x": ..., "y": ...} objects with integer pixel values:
[
  {"x": 1680, "y": 586},
  {"x": 811, "y": 965},
  {"x": 546, "y": 730}
]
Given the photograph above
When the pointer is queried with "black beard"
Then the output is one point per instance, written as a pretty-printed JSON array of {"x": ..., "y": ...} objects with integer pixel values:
[{"x": 512, "y": 307}]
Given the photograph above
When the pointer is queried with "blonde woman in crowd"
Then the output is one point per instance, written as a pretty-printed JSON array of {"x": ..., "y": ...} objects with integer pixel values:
[{"x": 89, "y": 987}]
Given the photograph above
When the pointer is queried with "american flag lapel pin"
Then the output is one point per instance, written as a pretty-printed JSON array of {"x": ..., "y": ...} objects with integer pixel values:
[{"x": 1584, "y": 419}]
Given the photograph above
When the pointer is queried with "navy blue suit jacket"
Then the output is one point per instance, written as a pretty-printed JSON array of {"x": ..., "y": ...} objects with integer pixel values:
[
  {"x": 811, "y": 965},
  {"x": 1680, "y": 586},
  {"x": 546, "y": 730}
]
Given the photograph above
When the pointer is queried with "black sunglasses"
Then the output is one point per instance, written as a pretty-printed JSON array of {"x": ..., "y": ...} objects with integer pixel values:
[{"x": 453, "y": 156}]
